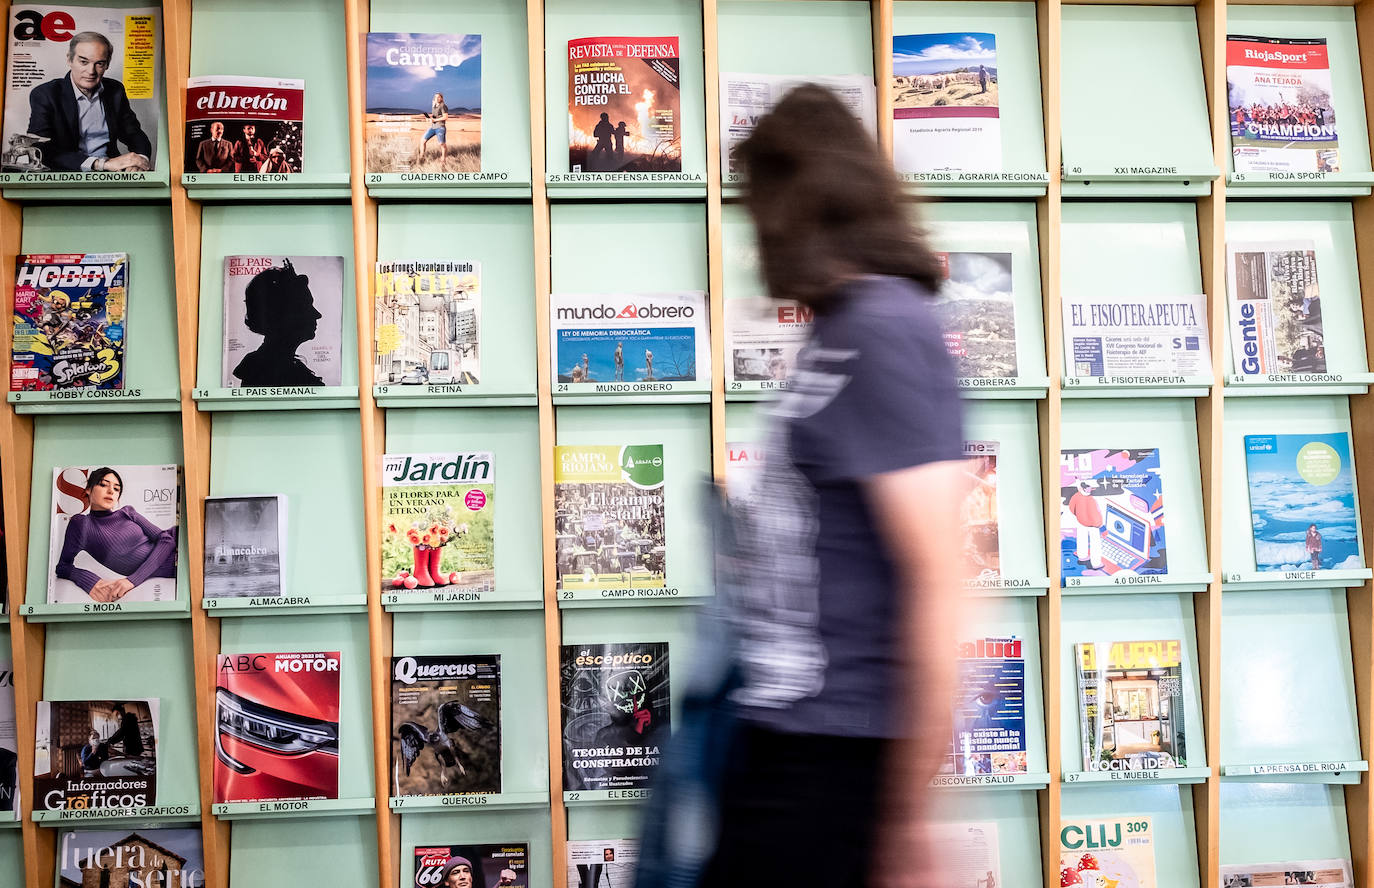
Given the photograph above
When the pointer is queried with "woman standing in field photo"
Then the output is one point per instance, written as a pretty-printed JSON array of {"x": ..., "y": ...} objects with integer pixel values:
[{"x": 438, "y": 128}]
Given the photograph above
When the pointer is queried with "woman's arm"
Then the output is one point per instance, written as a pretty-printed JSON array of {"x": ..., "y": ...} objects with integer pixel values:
[
  {"x": 74, "y": 541},
  {"x": 165, "y": 544}
]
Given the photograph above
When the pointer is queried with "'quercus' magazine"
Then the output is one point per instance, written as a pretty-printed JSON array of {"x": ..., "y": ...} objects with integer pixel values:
[
  {"x": 1330, "y": 873},
  {"x": 113, "y": 535},
  {"x": 428, "y": 323},
  {"x": 602, "y": 863},
  {"x": 1111, "y": 513},
  {"x": 9, "y": 745},
  {"x": 970, "y": 853},
  {"x": 1108, "y": 335},
  {"x": 1303, "y": 512},
  {"x": 245, "y": 545},
  {"x": 1282, "y": 119},
  {"x": 1113, "y": 852},
  {"x": 744, "y": 98},
  {"x": 277, "y": 726},
  {"x": 95, "y": 754},
  {"x": 442, "y": 866},
  {"x": 615, "y": 714},
  {"x": 424, "y": 104},
  {"x": 148, "y": 857},
  {"x": 608, "y": 517},
  {"x": 762, "y": 338},
  {"x": 283, "y": 322},
  {"x": 624, "y": 105},
  {"x": 1276, "y": 308},
  {"x": 42, "y": 125},
  {"x": 978, "y": 512},
  {"x": 445, "y": 725},
  {"x": 70, "y": 321},
  {"x": 438, "y": 523},
  {"x": 976, "y": 311},
  {"x": 945, "y": 98},
  {"x": 248, "y": 125},
  {"x": 639, "y": 343},
  {"x": 1130, "y": 705},
  {"x": 989, "y": 709}
]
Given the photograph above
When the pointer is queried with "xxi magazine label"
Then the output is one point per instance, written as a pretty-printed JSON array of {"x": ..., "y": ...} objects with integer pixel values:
[
  {"x": 95, "y": 754},
  {"x": 615, "y": 714}
]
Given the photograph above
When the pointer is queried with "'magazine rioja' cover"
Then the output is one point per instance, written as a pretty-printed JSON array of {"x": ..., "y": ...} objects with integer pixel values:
[
  {"x": 245, "y": 545},
  {"x": 445, "y": 725},
  {"x": 438, "y": 523},
  {"x": 473, "y": 866},
  {"x": 70, "y": 321},
  {"x": 424, "y": 103},
  {"x": 978, "y": 512},
  {"x": 608, "y": 516},
  {"x": 143, "y": 857},
  {"x": 615, "y": 713},
  {"x": 95, "y": 754},
  {"x": 624, "y": 105},
  {"x": 283, "y": 322},
  {"x": 248, "y": 125}
]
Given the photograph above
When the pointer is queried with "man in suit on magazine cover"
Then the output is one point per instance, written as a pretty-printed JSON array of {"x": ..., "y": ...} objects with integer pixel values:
[
  {"x": 215, "y": 154},
  {"x": 87, "y": 116}
]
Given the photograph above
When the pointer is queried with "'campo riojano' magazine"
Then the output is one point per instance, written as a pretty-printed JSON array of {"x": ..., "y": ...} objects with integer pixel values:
[
  {"x": 153, "y": 857},
  {"x": 1113, "y": 852},
  {"x": 249, "y": 125},
  {"x": 647, "y": 342},
  {"x": 989, "y": 710},
  {"x": 762, "y": 338},
  {"x": 602, "y": 863},
  {"x": 1282, "y": 118},
  {"x": 744, "y": 98},
  {"x": 70, "y": 321},
  {"x": 970, "y": 852},
  {"x": 245, "y": 546},
  {"x": 113, "y": 535},
  {"x": 1109, "y": 335},
  {"x": 42, "y": 130},
  {"x": 615, "y": 700},
  {"x": 945, "y": 103},
  {"x": 1130, "y": 705},
  {"x": 1329, "y": 873},
  {"x": 977, "y": 313},
  {"x": 283, "y": 322},
  {"x": 474, "y": 866},
  {"x": 1111, "y": 513},
  {"x": 609, "y": 517},
  {"x": 424, "y": 104},
  {"x": 624, "y": 105},
  {"x": 1304, "y": 514},
  {"x": 439, "y": 524},
  {"x": 1276, "y": 308},
  {"x": 445, "y": 725},
  {"x": 95, "y": 754},
  {"x": 978, "y": 512},
  {"x": 428, "y": 320}
]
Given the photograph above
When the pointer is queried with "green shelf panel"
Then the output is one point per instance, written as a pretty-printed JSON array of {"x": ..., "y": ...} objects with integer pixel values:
[
  {"x": 505, "y": 96},
  {"x": 512, "y": 436},
  {"x": 255, "y": 453},
  {"x": 1170, "y": 809},
  {"x": 278, "y": 230},
  {"x": 684, "y": 433},
  {"x": 566, "y": 20},
  {"x": 256, "y": 187},
  {"x": 86, "y": 661},
  {"x": 1337, "y": 25},
  {"x": 150, "y": 372},
  {"x": 1151, "y": 54},
  {"x": 1296, "y": 703},
  {"x": 347, "y": 634},
  {"x": 294, "y": 810},
  {"x": 11, "y": 854},
  {"x": 1021, "y": 521},
  {"x": 1108, "y": 618},
  {"x": 517, "y": 637},
  {"x": 532, "y": 827},
  {"x": 342, "y": 852},
  {"x": 1256, "y": 416},
  {"x": 501, "y": 238},
  {"x": 306, "y": 40},
  {"x": 126, "y": 440},
  {"x": 1330, "y": 226},
  {"x": 1017, "y": 817},
  {"x": 1264, "y": 822},
  {"x": 1019, "y": 109},
  {"x": 1170, "y": 425}
]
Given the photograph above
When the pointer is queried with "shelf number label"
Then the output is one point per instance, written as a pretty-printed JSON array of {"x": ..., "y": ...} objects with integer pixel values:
[
  {"x": 562, "y": 387},
  {"x": 1233, "y": 578},
  {"x": 567, "y": 596},
  {"x": 398, "y": 803},
  {"x": 1076, "y": 170},
  {"x": 1073, "y": 381},
  {"x": 1238, "y": 177},
  {"x": 26, "y": 609},
  {"x": 1072, "y": 777},
  {"x": 736, "y": 386},
  {"x": 200, "y": 393},
  {"x": 212, "y": 603},
  {"x": 1073, "y": 581},
  {"x": 373, "y": 179},
  {"x": 574, "y": 796},
  {"x": 383, "y": 390}
]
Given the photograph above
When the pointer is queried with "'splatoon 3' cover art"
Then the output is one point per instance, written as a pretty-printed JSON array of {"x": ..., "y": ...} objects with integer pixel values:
[{"x": 69, "y": 321}]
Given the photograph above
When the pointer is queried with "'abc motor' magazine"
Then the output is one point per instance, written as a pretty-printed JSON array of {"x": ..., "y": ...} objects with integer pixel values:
[
  {"x": 1276, "y": 308},
  {"x": 70, "y": 321},
  {"x": 1111, "y": 513},
  {"x": 945, "y": 103},
  {"x": 1130, "y": 705},
  {"x": 424, "y": 103},
  {"x": 624, "y": 105},
  {"x": 1282, "y": 118},
  {"x": 1303, "y": 511}
]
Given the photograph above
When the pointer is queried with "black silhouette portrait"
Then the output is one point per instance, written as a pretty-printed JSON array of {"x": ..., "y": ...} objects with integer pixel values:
[{"x": 280, "y": 308}]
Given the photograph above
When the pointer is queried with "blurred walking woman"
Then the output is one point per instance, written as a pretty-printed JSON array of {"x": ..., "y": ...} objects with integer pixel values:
[
  {"x": 118, "y": 538},
  {"x": 844, "y": 606}
]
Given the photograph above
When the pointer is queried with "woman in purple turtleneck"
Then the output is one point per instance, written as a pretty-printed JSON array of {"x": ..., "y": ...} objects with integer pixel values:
[{"x": 119, "y": 538}]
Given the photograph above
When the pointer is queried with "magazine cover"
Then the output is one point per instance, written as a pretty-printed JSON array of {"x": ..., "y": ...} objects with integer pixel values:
[
  {"x": 113, "y": 535},
  {"x": 762, "y": 338},
  {"x": 976, "y": 311},
  {"x": 277, "y": 717},
  {"x": 9, "y": 745},
  {"x": 438, "y": 522},
  {"x": 245, "y": 541},
  {"x": 1106, "y": 335},
  {"x": 945, "y": 89},
  {"x": 424, "y": 103},
  {"x": 70, "y": 321},
  {"x": 119, "y": 59},
  {"x": 144, "y": 857},
  {"x": 1303, "y": 513},
  {"x": 472, "y": 866},
  {"x": 624, "y": 105},
  {"x": 982, "y": 540},
  {"x": 428, "y": 319},
  {"x": 615, "y": 713},
  {"x": 1332, "y": 873},
  {"x": 636, "y": 340},
  {"x": 971, "y": 853},
  {"x": 1130, "y": 706},
  {"x": 989, "y": 708},
  {"x": 608, "y": 516},
  {"x": 237, "y": 124},
  {"x": 1276, "y": 308},
  {"x": 1279, "y": 92},
  {"x": 95, "y": 754},
  {"x": 1115, "y": 852},
  {"x": 283, "y": 321},
  {"x": 1111, "y": 513},
  {"x": 744, "y": 98},
  {"x": 445, "y": 725},
  {"x": 602, "y": 863}
]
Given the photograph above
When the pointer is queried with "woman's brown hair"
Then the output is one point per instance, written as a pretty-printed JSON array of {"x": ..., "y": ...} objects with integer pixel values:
[{"x": 825, "y": 202}]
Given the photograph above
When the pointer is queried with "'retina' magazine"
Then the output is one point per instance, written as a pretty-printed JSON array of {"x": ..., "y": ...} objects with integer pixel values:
[{"x": 445, "y": 725}]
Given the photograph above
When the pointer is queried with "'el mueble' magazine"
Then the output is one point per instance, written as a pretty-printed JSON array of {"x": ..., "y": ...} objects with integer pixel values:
[{"x": 1130, "y": 705}]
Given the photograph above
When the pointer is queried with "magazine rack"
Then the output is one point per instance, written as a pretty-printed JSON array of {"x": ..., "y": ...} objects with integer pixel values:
[{"x": 539, "y": 230}]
